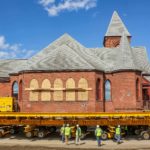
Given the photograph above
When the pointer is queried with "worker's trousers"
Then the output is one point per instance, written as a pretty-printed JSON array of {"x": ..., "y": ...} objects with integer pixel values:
[
  {"x": 66, "y": 138},
  {"x": 118, "y": 138},
  {"x": 98, "y": 138},
  {"x": 63, "y": 138},
  {"x": 77, "y": 140}
]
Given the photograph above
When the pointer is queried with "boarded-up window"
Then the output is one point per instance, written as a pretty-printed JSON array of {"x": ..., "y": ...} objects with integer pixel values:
[
  {"x": 45, "y": 94},
  {"x": 83, "y": 93},
  {"x": 34, "y": 94},
  {"x": 58, "y": 90},
  {"x": 70, "y": 90}
]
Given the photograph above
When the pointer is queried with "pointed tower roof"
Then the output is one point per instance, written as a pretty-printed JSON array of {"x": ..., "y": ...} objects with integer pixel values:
[
  {"x": 116, "y": 26},
  {"x": 125, "y": 55}
]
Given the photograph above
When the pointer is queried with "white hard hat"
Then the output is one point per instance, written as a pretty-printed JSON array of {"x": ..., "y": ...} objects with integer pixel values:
[
  {"x": 118, "y": 126},
  {"x": 77, "y": 125},
  {"x": 97, "y": 126},
  {"x": 67, "y": 125}
]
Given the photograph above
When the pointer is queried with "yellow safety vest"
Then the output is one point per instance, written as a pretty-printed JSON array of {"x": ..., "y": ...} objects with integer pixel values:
[
  {"x": 67, "y": 131},
  {"x": 98, "y": 132},
  {"x": 62, "y": 130},
  {"x": 118, "y": 131}
]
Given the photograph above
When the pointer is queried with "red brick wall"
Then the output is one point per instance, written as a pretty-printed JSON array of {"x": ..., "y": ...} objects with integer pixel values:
[
  {"x": 5, "y": 89},
  {"x": 123, "y": 89},
  {"x": 53, "y": 106},
  {"x": 112, "y": 41}
]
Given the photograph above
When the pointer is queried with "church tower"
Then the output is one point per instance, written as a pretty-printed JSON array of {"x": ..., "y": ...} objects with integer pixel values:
[{"x": 114, "y": 32}]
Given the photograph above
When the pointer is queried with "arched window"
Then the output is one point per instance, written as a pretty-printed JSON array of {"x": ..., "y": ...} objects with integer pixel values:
[
  {"x": 70, "y": 91},
  {"x": 46, "y": 95},
  {"x": 20, "y": 90},
  {"x": 58, "y": 93},
  {"x": 15, "y": 90},
  {"x": 15, "y": 94},
  {"x": 107, "y": 90},
  {"x": 137, "y": 89},
  {"x": 34, "y": 94},
  {"x": 83, "y": 93},
  {"x": 98, "y": 90}
]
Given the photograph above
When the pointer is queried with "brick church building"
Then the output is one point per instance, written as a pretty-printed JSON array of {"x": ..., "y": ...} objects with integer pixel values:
[{"x": 68, "y": 77}]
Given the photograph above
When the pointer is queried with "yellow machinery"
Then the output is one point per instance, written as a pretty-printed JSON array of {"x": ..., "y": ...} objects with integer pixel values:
[
  {"x": 6, "y": 104},
  {"x": 109, "y": 133}
]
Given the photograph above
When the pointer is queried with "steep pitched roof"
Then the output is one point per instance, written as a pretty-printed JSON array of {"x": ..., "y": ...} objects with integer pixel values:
[
  {"x": 116, "y": 26},
  {"x": 125, "y": 55},
  {"x": 63, "y": 58},
  {"x": 8, "y": 66},
  {"x": 64, "y": 49}
]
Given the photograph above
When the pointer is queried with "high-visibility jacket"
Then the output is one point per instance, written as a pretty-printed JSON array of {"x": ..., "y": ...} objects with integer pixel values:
[
  {"x": 67, "y": 131},
  {"x": 118, "y": 131},
  {"x": 98, "y": 132},
  {"x": 62, "y": 130},
  {"x": 78, "y": 131}
]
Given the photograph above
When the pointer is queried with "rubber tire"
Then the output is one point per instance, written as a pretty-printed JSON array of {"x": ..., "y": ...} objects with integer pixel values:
[
  {"x": 145, "y": 136},
  {"x": 137, "y": 132},
  {"x": 12, "y": 131},
  {"x": 41, "y": 134},
  {"x": 104, "y": 136},
  {"x": 29, "y": 134}
]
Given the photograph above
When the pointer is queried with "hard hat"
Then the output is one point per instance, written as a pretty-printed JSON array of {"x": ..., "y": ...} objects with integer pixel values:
[
  {"x": 67, "y": 125},
  {"x": 77, "y": 125},
  {"x": 118, "y": 126},
  {"x": 97, "y": 126}
]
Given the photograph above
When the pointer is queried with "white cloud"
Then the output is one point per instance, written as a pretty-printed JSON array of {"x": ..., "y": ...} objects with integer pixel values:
[
  {"x": 3, "y": 44},
  {"x": 54, "y": 8},
  {"x": 13, "y": 50}
]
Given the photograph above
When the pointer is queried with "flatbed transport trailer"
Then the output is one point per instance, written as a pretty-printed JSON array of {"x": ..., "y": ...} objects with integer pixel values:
[
  {"x": 40, "y": 123},
  {"x": 88, "y": 119}
]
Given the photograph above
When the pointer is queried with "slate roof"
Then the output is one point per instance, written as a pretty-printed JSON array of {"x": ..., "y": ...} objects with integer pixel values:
[
  {"x": 66, "y": 54},
  {"x": 9, "y": 65},
  {"x": 116, "y": 26}
]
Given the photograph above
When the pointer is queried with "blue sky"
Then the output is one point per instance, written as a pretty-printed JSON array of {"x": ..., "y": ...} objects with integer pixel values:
[{"x": 27, "y": 26}]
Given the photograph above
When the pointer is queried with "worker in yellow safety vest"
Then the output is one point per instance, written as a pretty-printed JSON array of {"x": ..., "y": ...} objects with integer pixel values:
[
  {"x": 118, "y": 134},
  {"x": 62, "y": 133},
  {"x": 98, "y": 133},
  {"x": 67, "y": 133}
]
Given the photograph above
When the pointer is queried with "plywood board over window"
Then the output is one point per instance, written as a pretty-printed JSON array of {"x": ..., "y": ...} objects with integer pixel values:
[
  {"x": 70, "y": 90},
  {"x": 83, "y": 94},
  {"x": 58, "y": 93},
  {"x": 46, "y": 95},
  {"x": 34, "y": 95}
]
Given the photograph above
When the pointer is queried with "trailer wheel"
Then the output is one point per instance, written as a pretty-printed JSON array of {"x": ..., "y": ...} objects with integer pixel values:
[
  {"x": 104, "y": 136},
  {"x": 41, "y": 134},
  {"x": 145, "y": 136},
  {"x": 12, "y": 131},
  {"x": 29, "y": 134},
  {"x": 137, "y": 131}
]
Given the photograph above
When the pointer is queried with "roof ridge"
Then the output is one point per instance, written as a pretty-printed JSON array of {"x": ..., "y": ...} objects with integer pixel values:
[
  {"x": 116, "y": 26},
  {"x": 54, "y": 54}
]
